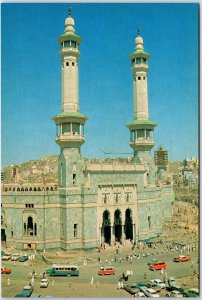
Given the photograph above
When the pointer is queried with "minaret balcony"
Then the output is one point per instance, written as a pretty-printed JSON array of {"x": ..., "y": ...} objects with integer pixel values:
[
  {"x": 70, "y": 136},
  {"x": 69, "y": 50},
  {"x": 140, "y": 67},
  {"x": 142, "y": 142}
]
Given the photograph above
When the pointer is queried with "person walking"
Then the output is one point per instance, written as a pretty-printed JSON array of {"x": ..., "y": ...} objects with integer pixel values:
[
  {"x": 119, "y": 285},
  {"x": 53, "y": 283}
]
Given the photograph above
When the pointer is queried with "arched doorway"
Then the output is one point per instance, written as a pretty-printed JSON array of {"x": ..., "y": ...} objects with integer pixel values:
[
  {"x": 128, "y": 225},
  {"x": 30, "y": 227},
  {"x": 117, "y": 225},
  {"x": 106, "y": 227},
  {"x": 3, "y": 235}
]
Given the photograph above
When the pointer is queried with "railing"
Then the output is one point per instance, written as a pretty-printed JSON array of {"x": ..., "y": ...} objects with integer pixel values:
[{"x": 70, "y": 136}]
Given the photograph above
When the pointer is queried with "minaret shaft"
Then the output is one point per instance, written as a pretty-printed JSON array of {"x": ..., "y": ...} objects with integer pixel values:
[
  {"x": 70, "y": 95},
  {"x": 140, "y": 96}
]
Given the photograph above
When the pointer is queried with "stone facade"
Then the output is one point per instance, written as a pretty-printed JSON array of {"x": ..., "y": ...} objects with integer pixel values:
[{"x": 94, "y": 202}]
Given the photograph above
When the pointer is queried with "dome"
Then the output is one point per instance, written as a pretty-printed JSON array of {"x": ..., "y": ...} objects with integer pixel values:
[
  {"x": 69, "y": 21},
  {"x": 139, "y": 40}
]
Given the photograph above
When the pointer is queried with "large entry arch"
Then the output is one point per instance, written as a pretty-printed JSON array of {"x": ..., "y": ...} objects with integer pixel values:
[
  {"x": 117, "y": 225},
  {"x": 128, "y": 224},
  {"x": 106, "y": 227}
]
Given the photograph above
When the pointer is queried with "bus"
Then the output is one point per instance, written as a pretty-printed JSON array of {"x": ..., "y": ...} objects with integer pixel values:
[{"x": 63, "y": 270}]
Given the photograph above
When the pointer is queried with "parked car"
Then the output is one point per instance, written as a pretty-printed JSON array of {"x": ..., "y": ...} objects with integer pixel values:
[
  {"x": 186, "y": 293},
  {"x": 154, "y": 286},
  {"x": 26, "y": 292},
  {"x": 6, "y": 256},
  {"x": 159, "y": 282},
  {"x": 194, "y": 291},
  {"x": 23, "y": 258},
  {"x": 106, "y": 271},
  {"x": 172, "y": 282},
  {"x": 139, "y": 294},
  {"x": 134, "y": 288},
  {"x": 5, "y": 270},
  {"x": 174, "y": 294},
  {"x": 152, "y": 261},
  {"x": 44, "y": 283},
  {"x": 157, "y": 266},
  {"x": 181, "y": 258},
  {"x": 150, "y": 292},
  {"x": 15, "y": 257}
]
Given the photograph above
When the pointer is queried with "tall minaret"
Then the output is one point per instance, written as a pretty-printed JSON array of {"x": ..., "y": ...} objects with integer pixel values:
[
  {"x": 70, "y": 122},
  {"x": 141, "y": 128}
]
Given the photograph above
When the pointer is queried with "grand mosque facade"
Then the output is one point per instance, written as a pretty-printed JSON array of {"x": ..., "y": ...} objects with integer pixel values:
[{"x": 95, "y": 202}]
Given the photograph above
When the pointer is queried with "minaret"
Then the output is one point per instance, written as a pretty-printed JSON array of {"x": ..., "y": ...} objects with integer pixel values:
[
  {"x": 141, "y": 128},
  {"x": 70, "y": 122}
]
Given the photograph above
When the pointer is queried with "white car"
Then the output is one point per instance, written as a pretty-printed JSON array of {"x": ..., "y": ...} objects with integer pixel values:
[
  {"x": 174, "y": 294},
  {"x": 159, "y": 282},
  {"x": 139, "y": 294},
  {"x": 150, "y": 292},
  {"x": 44, "y": 283},
  {"x": 15, "y": 257}
]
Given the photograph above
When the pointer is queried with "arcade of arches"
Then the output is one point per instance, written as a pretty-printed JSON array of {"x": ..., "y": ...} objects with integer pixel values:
[{"x": 122, "y": 229}]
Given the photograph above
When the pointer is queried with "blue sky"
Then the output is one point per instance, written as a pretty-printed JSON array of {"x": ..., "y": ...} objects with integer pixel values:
[{"x": 31, "y": 76}]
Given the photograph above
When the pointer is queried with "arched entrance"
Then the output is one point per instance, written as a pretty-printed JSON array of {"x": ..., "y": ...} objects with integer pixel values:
[
  {"x": 117, "y": 225},
  {"x": 106, "y": 226},
  {"x": 128, "y": 225},
  {"x": 3, "y": 235},
  {"x": 30, "y": 227}
]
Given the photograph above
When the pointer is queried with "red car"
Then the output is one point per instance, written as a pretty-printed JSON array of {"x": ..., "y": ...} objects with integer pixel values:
[
  {"x": 158, "y": 266},
  {"x": 106, "y": 271},
  {"x": 181, "y": 258},
  {"x": 5, "y": 270}
]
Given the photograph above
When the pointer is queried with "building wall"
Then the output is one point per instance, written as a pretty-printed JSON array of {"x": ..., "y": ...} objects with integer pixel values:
[{"x": 72, "y": 217}]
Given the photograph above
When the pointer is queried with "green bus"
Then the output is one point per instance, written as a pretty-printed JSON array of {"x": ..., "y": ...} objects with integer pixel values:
[{"x": 63, "y": 270}]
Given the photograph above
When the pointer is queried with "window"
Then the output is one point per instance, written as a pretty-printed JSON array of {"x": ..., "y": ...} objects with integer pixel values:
[
  {"x": 75, "y": 230},
  {"x": 116, "y": 198},
  {"x": 144, "y": 77},
  {"x": 127, "y": 197},
  {"x": 29, "y": 205},
  {"x": 73, "y": 64},
  {"x": 105, "y": 199},
  {"x": 144, "y": 60},
  {"x": 138, "y": 60},
  {"x": 67, "y": 43},
  {"x": 73, "y": 44},
  {"x": 74, "y": 178},
  {"x": 139, "y": 78},
  {"x": 149, "y": 221},
  {"x": 67, "y": 64}
]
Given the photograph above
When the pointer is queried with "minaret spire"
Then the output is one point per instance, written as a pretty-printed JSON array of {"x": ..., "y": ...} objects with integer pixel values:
[
  {"x": 138, "y": 31},
  {"x": 69, "y": 11}
]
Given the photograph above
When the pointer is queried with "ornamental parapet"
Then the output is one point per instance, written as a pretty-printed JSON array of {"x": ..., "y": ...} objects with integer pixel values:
[
  {"x": 93, "y": 167},
  {"x": 35, "y": 187}
]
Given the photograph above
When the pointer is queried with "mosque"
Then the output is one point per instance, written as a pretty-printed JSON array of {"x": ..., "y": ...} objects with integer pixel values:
[{"x": 95, "y": 202}]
